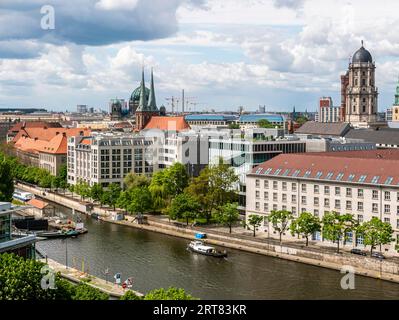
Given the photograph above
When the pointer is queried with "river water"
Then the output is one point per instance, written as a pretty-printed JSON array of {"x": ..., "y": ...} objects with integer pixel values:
[{"x": 156, "y": 260}]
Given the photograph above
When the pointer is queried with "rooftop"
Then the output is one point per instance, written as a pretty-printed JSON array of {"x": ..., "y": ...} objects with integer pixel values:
[
  {"x": 39, "y": 204},
  {"x": 168, "y": 123},
  {"x": 386, "y": 136},
  {"x": 365, "y": 167},
  {"x": 210, "y": 117},
  {"x": 324, "y": 128},
  {"x": 257, "y": 117}
]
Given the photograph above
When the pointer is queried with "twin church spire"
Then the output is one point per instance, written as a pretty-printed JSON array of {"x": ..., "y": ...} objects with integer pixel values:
[{"x": 151, "y": 104}]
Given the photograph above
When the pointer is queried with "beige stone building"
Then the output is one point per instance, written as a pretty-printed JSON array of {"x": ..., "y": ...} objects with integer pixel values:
[{"x": 362, "y": 183}]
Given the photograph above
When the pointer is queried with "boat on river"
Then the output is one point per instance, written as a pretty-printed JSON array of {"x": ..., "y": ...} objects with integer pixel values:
[
  {"x": 61, "y": 233},
  {"x": 200, "y": 247}
]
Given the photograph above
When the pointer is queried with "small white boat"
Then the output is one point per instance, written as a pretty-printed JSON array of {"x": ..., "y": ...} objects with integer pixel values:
[{"x": 200, "y": 247}]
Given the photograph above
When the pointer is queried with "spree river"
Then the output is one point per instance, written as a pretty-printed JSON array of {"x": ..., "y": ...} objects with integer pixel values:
[{"x": 156, "y": 260}]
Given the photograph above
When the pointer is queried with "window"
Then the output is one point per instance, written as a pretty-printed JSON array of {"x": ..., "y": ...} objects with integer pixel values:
[
  {"x": 351, "y": 177},
  {"x": 337, "y": 191},
  {"x": 293, "y": 186},
  {"x": 337, "y": 204},
  {"x": 266, "y": 195},
  {"x": 375, "y": 194},
  {"x": 360, "y": 193},
  {"x": 277, "y": 172},
  {"x": 348, "y": 205},
  {"x": 360, "y": 206},
  {"x": 286, "y": 172},
  {"x": 339, "y": 176},
  {"x": 296, "y": 173},
  {"x": 285, "y": 186},
  {"x": 375, "y": 207},
  {"x": 387, "y": 220},
  {"x": 266, "y": 184},
  {"x": 257, "y": 183},
  {"x": 348, "y": 192},
  {"x": 257, "y": 194},
  {"x": 387, "y": 196},
  {"x": 274, "y": 207},
  {"x": 293, "y": 210},
  {"x": 293, "y": 198},
  {"x": 362, "y": 178},
  {"x": 303, "y": 210},
  {"x": 316, "y": 189},
  {"x": 266, "y": 207},
  {"x": 319, "y": 174},
  {"x": 284, "y": 197},
  {"x": 257, "y": 205},
  {"x": 316, "y": 212},
  {"x": 387, "y": 209},
  {"x": 303, "y": 199},
  {"x": 329, "y": 175},
  {"x": 327, "y": 203},
  {"x": 360, "y": 218},
  {"x": 397, "y": 226},
  {"x": 275, "y": 185},
  {"x": 303, "y": 186},
  {"x": 389, "y": 180},
  {"x": 375, "y": 179},
  {"x": 307, "y": 174},
  {"x": 326, "y": 190},
  {"x": 274, "y": 196},
  {"x": 316, "y": 201}
]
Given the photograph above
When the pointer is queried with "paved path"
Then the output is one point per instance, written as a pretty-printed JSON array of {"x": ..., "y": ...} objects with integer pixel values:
[{"x": 77, "y": 276}]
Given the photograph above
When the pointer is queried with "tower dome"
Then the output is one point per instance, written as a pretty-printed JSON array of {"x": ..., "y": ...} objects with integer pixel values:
[
  {"x": 362, "y": 56},
  {"x": 136, "y": 94}
]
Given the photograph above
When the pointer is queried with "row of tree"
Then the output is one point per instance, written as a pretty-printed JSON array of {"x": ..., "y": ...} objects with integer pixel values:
[
  {"x": 333, "y": 226},
  {"x": 24, "y": 279},
  {"x": 11, "y": 168},
  {"x": 210, "y": 195}
]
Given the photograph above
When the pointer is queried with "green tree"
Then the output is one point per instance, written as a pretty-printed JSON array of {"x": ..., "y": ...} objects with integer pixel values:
[
  {"x": 111, "y": 194},
  {"x": 6, "y": 181},
  {"x": 301, "y": 120},
  {"x": 336, "y": 226},
  {"x": 305, "y": 225},
  {"x": 133, "y": 180},
  {"x": 228, "y": 214},
  {"x": 82, "y": 291},
  {"x": 234, "y": 126},
  {"x": 264, "y": 123},
  {"x": 169, "y": 294},
  {"x": 139, "y": 201},
  {"x": 82, "y": 188},
  {"x": 62, "y": 176},
  {"x": 214, "y": 187},
  {"x": 280, "y": 220},
  {"x": 158, "y": 190},
  {"x": 20, "y": 279},
  {"x": 130, "y": 295},
  {"x": 176, "y": 179},
  {"x": 184, "y": 206},
  {"x": 375, "y": 233},
  {"x": 96, "y": 192},
  {"x": 254, "y": 221}
]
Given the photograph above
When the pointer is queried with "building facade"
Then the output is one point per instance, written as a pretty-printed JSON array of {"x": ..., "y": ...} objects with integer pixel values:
[
  {"x": 363, "y": 183},
  {"x": 327, "y": 111},
  {"x": 106, "y": 158}
]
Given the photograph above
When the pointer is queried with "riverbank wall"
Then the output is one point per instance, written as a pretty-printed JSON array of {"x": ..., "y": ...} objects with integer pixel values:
[{"x": 381, "y": 269}]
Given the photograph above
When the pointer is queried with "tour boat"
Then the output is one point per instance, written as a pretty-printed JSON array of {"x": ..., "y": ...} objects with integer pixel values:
[{"x": 199, "y": 247}]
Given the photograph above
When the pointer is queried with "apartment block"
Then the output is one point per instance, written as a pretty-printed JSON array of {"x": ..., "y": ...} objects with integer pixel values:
[{"x": 362, "y": 183}]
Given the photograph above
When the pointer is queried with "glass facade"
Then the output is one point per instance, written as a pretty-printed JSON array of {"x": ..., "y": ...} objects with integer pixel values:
[{"x": 5, "y": 227}]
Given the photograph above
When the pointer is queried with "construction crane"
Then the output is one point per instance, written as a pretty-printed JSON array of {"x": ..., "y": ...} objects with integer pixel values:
[{"x": 174, "y": 103}]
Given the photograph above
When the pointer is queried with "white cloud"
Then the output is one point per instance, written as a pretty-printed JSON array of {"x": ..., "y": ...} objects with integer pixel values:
[{"x": 116, "y": 4}]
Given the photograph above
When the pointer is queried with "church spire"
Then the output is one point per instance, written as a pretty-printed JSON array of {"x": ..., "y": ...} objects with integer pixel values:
[
  {"x": 143, "y": 98},
  {"x": 152, "y": 104}
]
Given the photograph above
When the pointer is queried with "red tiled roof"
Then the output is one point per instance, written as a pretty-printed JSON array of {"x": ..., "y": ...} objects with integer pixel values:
[
  {"x": 39, "y": 204},
  {"x": 168, "y": 123},
  {"x": 334, "y": 167},
  {"x": 33, "y": 124},
  {"x": 50, "y": 140},
  {"x": 392, "y": 154}
]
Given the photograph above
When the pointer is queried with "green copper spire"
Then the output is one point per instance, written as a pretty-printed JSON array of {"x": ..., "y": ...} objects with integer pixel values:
[
  {"x": 152, "y": 104},
  {"x": 143, "y": 106},
  {"x": 397, "y": 95}
]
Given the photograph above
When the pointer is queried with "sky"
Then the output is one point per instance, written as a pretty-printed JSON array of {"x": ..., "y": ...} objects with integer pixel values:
[{"x": 223, "y": 53}]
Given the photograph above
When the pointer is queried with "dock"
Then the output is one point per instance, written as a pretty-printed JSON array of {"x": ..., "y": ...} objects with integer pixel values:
[{"x": 77, "y": 276}]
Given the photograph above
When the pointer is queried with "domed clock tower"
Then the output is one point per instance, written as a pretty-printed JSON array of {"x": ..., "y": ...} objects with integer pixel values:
[{"x": 361, "y": 101}]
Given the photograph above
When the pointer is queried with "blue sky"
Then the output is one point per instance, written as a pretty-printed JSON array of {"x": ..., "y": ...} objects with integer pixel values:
[{"x": 225, "y": 53}]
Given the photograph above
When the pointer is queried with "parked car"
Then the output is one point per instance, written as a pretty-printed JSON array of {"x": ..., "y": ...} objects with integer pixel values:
[
  {"x": 359, "y": 252},
  {"x": 378, "y": 255}
]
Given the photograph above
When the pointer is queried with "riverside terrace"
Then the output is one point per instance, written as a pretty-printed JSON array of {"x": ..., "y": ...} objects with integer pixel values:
[{"x": 362, "y": 183}]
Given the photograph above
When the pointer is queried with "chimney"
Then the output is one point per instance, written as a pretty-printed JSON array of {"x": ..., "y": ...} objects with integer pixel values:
[
  {"x": 35, "y": 138},
  {"x": 81, "y": 133},
  {"x": 64, "y": 134},
  {"x": 57, "y": 133}
]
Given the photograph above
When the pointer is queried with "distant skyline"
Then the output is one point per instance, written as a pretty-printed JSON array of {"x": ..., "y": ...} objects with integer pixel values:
[{"x": 225, "y": 53}]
